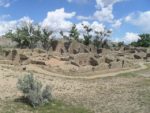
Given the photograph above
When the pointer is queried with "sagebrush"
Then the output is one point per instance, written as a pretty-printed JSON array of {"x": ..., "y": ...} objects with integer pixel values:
[{"x": 33, "y": 91}]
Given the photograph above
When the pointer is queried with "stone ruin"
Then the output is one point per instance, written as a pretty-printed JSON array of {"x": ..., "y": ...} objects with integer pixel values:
[
  {"x": 64, "y": 47},
  {"x": 14, "y": 57},
  {"x": 72, "y": 55},
  {"x": 81, "y": 56}
]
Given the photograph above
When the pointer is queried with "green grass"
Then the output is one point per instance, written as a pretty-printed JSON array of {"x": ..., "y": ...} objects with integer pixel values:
[
  {"x": 130, "y": 74},
  {"x": 54, "y": 107}
]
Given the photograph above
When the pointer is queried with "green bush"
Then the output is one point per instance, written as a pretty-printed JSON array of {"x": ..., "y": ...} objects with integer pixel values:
[
  {"x": 144, "y": 41},
  {"x": 46, "y": 94},
  {"x": 32, "y": 90}
]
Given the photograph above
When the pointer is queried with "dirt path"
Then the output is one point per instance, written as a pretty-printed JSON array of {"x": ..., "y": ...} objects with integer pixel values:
[{"x": 41, "y": 71}]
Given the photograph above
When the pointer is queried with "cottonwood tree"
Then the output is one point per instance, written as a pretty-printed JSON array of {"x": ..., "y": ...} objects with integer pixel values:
[
  {"x": 46, "y": 39},
  {"x": 74, "y": 34},
  {"x": 144, "y": 41},
  {"x": 87, "y": 36},
  {"x": 100, "y": 39},
  {"x": 34, "y": 35},
  {"x": 20, "y": 36},
  {"x": 26, "y": 35}
]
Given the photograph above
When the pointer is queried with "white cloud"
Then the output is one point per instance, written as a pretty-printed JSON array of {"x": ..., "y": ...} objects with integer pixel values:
[
  {"x": 127, "y": 38},
  {"x": 84, "y": 18},
  {"x": 140, "y": 19},
  {"x": 4, "y": 3},
  {"x": 96, "y": 26},
  {"x": 106, "y": 3},
  {"x": 117, "y": 24},
  {"x": 58, "y": 20},
  {"x": 53, "y": 23},
  {"x": 105, "y": 14},
  {"x": 130, "y": 37},
  {"x": 5, "y": 26},
  {"x": 25, "y": 20},
  {"x": 80, "y": 25},
  {"x": 105, "y": 10}
]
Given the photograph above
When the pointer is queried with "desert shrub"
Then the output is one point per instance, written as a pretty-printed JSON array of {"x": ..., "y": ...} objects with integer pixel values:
[
  {"x": 32, "y": 90},
  {"x": 46, "y": 94}
]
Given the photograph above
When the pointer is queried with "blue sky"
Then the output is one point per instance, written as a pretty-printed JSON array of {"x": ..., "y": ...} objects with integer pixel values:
[{"x": 126, "y": 18}]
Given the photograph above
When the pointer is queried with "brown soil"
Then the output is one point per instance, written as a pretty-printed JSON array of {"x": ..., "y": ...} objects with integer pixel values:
[{"x": 55, "y": 62}]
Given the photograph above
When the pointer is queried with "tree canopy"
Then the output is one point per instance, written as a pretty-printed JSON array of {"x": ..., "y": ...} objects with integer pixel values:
[
  {"x": 28, "y": 35},
  {"x": 74, "y": 34},
  {"x": 144, "y": 41}
]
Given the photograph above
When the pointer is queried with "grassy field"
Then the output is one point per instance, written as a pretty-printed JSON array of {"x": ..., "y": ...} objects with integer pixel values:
[{"x": 54, "y": 107}]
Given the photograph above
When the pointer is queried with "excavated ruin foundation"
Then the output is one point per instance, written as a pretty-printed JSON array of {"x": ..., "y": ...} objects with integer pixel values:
[{"x": 76, "y": 59}]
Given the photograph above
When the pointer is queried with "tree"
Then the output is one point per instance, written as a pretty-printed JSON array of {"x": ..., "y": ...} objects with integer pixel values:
[
  {"x": 120, "y": 44},
  {"x": 64, "y": 36},
  {"x": 144, "y": 41},
  {"x": 105, "y": 44},
  {"x": 19, "y": 36},
  {"x": 33, "y": 35},
  {"x": 74, "y": 34},
  {"x": 100, "y": 40},
  {"x": 45, "y": 39},
  {"x": 26, "y": 36},
  {"x": 87, "y": 35},
  {"x": 9, "y": 34}
]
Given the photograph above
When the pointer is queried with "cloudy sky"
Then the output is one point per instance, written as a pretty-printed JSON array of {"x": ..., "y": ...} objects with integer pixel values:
[{"x": 126, "y": 18}]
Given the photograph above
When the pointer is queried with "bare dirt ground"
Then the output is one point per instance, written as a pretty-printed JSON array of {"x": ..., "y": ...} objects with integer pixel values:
[{"x": 101, "y": 93}]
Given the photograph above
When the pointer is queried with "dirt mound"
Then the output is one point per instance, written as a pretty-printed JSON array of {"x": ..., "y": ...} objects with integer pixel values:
[
  {"x": 93, "y": 61},
  {"x": 140, "y": 55},
  {"x": 55, "y": 62}
]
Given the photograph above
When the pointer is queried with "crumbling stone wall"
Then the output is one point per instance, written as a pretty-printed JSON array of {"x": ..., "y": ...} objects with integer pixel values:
[
  {"x": 60, "y": 48},
  {"x": 81, "y": 59}
]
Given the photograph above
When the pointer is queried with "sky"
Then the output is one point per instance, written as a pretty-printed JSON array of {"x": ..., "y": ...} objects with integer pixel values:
[{"x": 126, "y": 18}]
